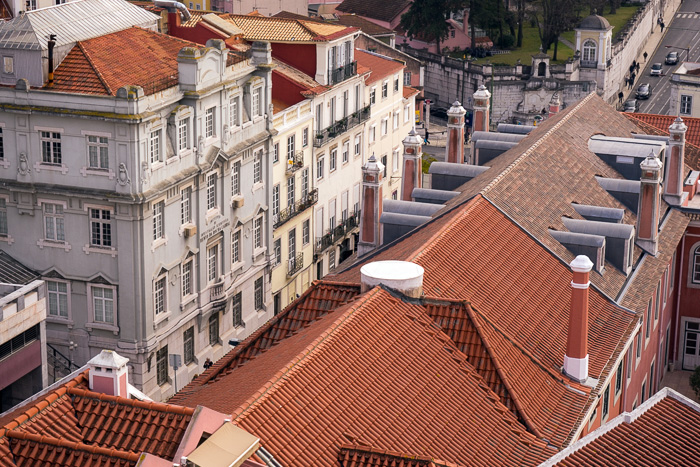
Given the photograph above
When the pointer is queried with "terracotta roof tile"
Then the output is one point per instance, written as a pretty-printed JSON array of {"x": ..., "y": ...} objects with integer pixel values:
[
  {"x": 276, "y": 29},
  {"x": 658, "y": 125},
  {"x": 379, "y": 65},
  {"x": 382, "y": 11},
  {"x": 359, "y": 456},
  {"x": 664, "y": 434},
  {"x": 409, "y": 91}
]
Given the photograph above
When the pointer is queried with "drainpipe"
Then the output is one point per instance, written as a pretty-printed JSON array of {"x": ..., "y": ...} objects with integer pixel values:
[{"x": 52, "y": 44}]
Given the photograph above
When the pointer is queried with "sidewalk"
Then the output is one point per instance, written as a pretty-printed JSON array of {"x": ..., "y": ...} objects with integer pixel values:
[{"x": 438, "y": 133}]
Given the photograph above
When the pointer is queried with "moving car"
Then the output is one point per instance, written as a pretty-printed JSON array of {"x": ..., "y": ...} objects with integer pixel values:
[
  {"x": 656, "y": 69},
  {"x": 643, "y": 91},
  {"x": 631, "y": 106},
  {"x": 672, "y": 58}
]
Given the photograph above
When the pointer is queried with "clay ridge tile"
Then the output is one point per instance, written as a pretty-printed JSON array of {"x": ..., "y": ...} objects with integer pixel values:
[
  {"x": 155, "y": 406},
  {"x": 40, "y": 439}
]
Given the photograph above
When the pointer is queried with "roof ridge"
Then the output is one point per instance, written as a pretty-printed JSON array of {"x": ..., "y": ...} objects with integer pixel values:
[
  {"x": 87, "y": 56},
  {"x": 536, "y": 144},
  {"x": 77, "y": 446},
  {"x": 430, "y": 460},
  {"x": 156, "y": 406}
]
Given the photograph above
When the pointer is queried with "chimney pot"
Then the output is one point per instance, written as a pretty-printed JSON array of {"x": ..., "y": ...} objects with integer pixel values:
[
  {"x": 109, "y": 374},
  {"x": 576, "y": 357},
  {"x": 412, "y": 175},
  {"x": 480, "y": 119},
  {"x": 454, "y": 148}
]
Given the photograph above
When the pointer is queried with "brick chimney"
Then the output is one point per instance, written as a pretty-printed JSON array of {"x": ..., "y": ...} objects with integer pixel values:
[
  {"x": 370, "y": 229},
  {"x": 412, "y": 176},
  {"x": 109, "y": 374},
  {"x": 649, "y": 201},
  {"x": 675, "y": 165},
  {"x": 480, "y": 121},
  {"x": 576, "y": 358},
  {"x": 554, "y": 105},
  {"x": 454, "y": 148}
]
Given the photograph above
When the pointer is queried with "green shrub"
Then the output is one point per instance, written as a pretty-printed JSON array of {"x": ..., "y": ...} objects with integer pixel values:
[
  {"x": 507, "y": 41},
  {"x": 695, "y": 382},
  {"x": 427, "y": 160}
]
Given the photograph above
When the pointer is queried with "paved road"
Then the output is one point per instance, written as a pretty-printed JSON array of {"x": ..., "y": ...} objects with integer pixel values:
[{"x": 683, "y": 31}]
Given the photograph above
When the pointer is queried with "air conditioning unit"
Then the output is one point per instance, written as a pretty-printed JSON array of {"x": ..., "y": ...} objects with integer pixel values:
[
  {"x": 237, "y": 202},
  {"x": 190, "y": 230}
]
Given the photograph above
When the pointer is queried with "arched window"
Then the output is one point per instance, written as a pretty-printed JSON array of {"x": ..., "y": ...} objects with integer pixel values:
[
  {"x": 695, "y": 270},
  {"x": 589, "y": 51},
  {"x": 542, "y": 69}
]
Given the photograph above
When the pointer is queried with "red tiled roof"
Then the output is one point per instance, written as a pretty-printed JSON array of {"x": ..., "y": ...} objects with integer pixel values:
[
  {"x": 658, "y": 125},
  {"x": 382, "y": 11},
  {"x": 75, "y": 426},
  {"x": 357, "y": 456},
  {"x": 133, "y": 56},
  {"x": 379, "y": 372},
  {"x": 409, "y": 91},
  {"x": 662, "y": 432},
  {"x": 379, "y": 66}
]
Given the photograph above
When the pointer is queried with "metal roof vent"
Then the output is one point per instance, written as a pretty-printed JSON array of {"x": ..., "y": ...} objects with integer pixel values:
[{"x": 403, "y": 276}]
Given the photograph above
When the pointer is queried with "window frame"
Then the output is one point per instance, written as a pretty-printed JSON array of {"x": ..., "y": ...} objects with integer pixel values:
[
  {"x": 234, "y": 110},
  {"x": 259, "y": 293},
  {"x": 236, "y": 178},
  {"x": 685, "y": 106},
  {"x": 162, "y": 376},
  {"x": 188, "y": 351},
  {"x": 105, "y": 229},
  {"x": 237, "y": 310},
  {"x": 605, "y": 405},
  {"x": 589, "y": 51},
  {"x": 56, "y": 219},
  {"x": 213, "y": 325},
  {"x": 58, "y": 317},
  {"x": 210, "y": 122},
  {"x": 158, "y": 213},
  {"x": 160, "y": 304},
  {"x": 258, "y": 237},
  {"x": 98, "y": 146},
  {"x": 257, "y": 167},
  {"x": 213, "y": 262},
  {"x": 93, "y": 323},
  {"x": 236, "y": 257},
  {"x": 51, "y": 147},
  {"x": 186, "y": 205},
  {"x": 306, "y": 232},
  {"x": 187, "y": 277},
  {"x": 155, "y": 152},
  {"x": 211, "y": 198},
  {"x": 183, "y": 132}
]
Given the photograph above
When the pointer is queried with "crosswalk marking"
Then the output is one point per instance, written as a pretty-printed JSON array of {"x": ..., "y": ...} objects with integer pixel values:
[{"x": 688, "y": 15}]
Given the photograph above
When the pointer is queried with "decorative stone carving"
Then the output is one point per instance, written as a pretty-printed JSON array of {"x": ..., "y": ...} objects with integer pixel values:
[
  {"x": 123, "y": 179},
  {"x": 23, "y": 168}
]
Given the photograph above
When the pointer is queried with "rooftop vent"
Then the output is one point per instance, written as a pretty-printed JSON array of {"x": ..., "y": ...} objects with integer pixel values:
[
  {"x": 598, "y": 213},
  {"x": 403, "y": 276},
  {"x": 619, "y": 239},
  {"x": 592, "y": 246}
]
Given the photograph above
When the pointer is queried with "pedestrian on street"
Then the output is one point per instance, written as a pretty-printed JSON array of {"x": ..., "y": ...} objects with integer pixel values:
[
  {"x": 632, "y": 78},
  {"x": 662, "y": 26},
  {"x": 645, "y": 56},
  {"x": 632, "y": 68},
  {"x": 637, "y": 67},
  {"x": 427, "y": 137},
  {"x": 620, "y": 96}
]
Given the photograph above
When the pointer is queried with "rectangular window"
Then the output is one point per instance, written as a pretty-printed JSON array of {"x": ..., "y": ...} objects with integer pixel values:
[
  {"x": 396, "y": 84},
  {"x": 292, "y": 244},
  {"x": 214, "y": 329},
  {"x": 290, "y": 147},
  {"x": 213, "y": 263},
  {"x": 182, "y": 140},
  {"x": 154, "y": 146},
  {"x": 158, "y": 220},
  {"x": 358, "y": 140},
  {"x": 258, "y": 293},
  {"x": 237, "y": 307},
  {"x": 187, "y": 278},
  {"x": 346, "y": 151},
  {"x": 159, "y": 296},
  {"x": 372, "y": 133},
  {"x": 639, "y": 345},
  {"x": 406, "y": 78},
  {"x": 235, "y": 247},
  {"x": 185, "y": 205},
  {"x": 606, "y": 402},
  {"x": 209, "y": 122},
  {"x": 188, "y": 345},
  {"x": 305, "y": 232},
  {"x": 257, "y": 232},
  {"x": 234, "y": 109},
  {"x": 331, "y": 260},
  {"x": 103, "y": 304},
  {"x": 396, "y": 120},
  {"x": 277, "y": 253},
  {"x": 291, "y": 192},
  {"x": 320, "y": 168},
  {"x": 2, "y": 145},
  {"x": 385, "y": 89},
  {"x": 211, "y": 191},
  {"x": 629, "y": 364},
  {"x": 333, "y": 159},
  {"x": 3, "y": 217},
  {"x": 373, "y": 96},
  {"x": 50, "y": 147},
  {"x": 275, "y": 202},
  {"x": 58, "y": 298},
  {"x": 257, "y": 102},
  {"x": 305, "y": 137},
  {"x": 275, "y": 152},
  {"x": 384, "y": 162},
  {"x": 8, "y": 65},
  {"x": 305, "y": 183},
  {"x": 643, "y": 392},
  {"x": 236, "y": 178},
  {"x": 651, "y": 377},
  {"x": 385, "y": 126},
  {"x": 98, "y": 152},
  {"x": 395, "y": 158},
  {"x": 162, "y": 366},
  {"x": 53, "y": 223},
  {"x": 100, "y": 227},
  {"x": 257, "y": 167},
  {"x": 686, "y": 104},
  {"x": 657, "y": 305},
  {"x": 618, "y": 380},
  {"x": 648, "y": 323}
]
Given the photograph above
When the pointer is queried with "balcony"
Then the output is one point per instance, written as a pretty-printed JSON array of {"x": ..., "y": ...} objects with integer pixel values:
[
  {"x": 295, "y": 162},
  {"x": 295, "y": 264},
  {"x": 337, "y": 233},
  {"x": 341, "y": 74},
  {"x": 298, "y": 207},
  {"x": 589, "y": 63},
  {"x": 341, "y": 126}
]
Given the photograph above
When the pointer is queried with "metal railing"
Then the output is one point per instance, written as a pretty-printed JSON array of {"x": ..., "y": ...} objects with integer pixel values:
[
  {"x": 288, "y": 213},
  {"x": 341, "y": 126},
  {"x": 295, "y": 162},
  {"x": 60, "y": 364},
  {"x": 217, "y": 291},
  {"x": 589, "y": 63},
  {"x": 339, "y": 232},
  {"x": 339, "y": 75},
  {"x": 295, "y": 264}
]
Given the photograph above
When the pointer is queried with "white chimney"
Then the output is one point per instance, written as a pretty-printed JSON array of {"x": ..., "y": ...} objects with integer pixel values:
[
  {"x": 403, "y": 276},
  {"x": 109, "y": 374}
]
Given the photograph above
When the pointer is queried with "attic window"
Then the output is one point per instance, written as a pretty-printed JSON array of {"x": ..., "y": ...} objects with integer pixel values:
[{"x": 8, "y": 65}]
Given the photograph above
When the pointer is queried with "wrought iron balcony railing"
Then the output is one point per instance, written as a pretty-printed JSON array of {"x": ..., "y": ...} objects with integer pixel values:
[
  {"x": 341, "y": 126},
  {"x": 295, "y": 264},
  {"x": 339, "y": 75},
  {"x": 337, "y": 233},
  {"x": 288, "y": 213},
  {"x": 296, "y": 162}
]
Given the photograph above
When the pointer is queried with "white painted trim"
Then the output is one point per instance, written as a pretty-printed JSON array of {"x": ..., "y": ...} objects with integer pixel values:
[
  {"x": 48, "y": 128},
  {"x": 580, "y": 286},
  {"x": 95, "y": 133},
  {"x": 577, "y": 368}
]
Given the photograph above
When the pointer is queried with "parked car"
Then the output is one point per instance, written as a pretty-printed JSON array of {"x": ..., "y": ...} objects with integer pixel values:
[
  {"x": 672, "y": 58},
  {"x": 631, "y": 106},
  {"x": 644, "y": 91},
  {"x": 438, "y": 112},
  {"x": 656, "y": 69}
]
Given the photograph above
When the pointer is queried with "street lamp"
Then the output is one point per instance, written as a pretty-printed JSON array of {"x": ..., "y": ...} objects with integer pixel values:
[{"x": 687, "y": 51}]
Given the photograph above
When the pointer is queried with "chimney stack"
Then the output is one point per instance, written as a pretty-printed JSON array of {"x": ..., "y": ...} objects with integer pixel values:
[
  {"x": 554, "y": 105},
  {"x": 109, "y": 374},
  {"x": 649, "y": 201},
  {"x": 412, "y": 175},
  {"x": 576, "y": 358},
  {"x": 454, "y": 148},
  {"x": 480, "y": 120},
  {"x": 404, "y": 276},
  {"x": 370, "y": 229},
  {"x": 675, "y": 164},
  {"x": 52, "y": 44}
]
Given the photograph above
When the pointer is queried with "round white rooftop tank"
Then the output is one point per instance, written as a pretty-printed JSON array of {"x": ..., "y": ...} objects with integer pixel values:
[{"x": 403, "y": 276}]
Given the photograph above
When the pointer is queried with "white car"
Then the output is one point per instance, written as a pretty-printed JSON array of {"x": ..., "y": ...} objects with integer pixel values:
[{"x": 656, "y": 69}]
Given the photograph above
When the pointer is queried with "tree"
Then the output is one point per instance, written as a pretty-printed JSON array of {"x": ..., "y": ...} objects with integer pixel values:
[
  {"x": 553, "y": 18},
  {"x": 426, "y": 19}
]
